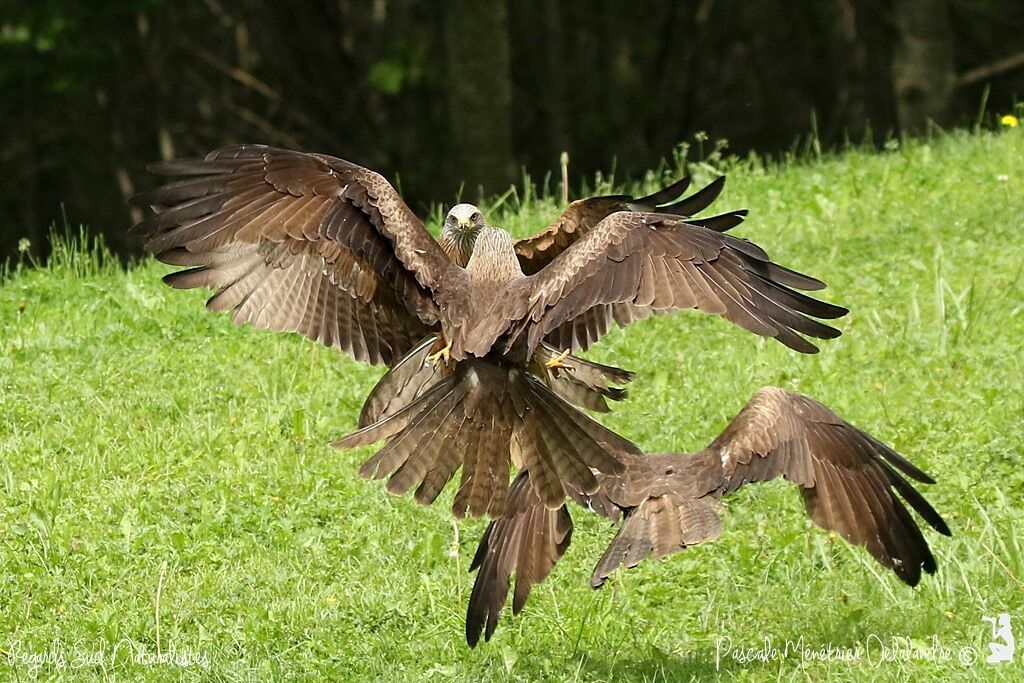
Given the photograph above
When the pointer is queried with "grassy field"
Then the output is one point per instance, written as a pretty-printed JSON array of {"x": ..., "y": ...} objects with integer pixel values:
[{"x": 166, "y": 485}]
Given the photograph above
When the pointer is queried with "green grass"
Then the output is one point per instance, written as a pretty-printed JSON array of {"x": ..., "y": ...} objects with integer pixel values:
[{"x": 159, "y": 465}]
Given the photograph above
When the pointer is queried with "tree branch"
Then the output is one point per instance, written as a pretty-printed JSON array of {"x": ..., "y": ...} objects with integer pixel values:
[{"x": 994, "y": 69}]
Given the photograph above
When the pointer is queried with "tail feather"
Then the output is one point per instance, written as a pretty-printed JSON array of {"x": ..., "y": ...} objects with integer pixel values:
[
  {"x": 539, "y": 460},
  {"x": 395, "y": 422},
  {"x": 483, "y": 417},
  {"x": 448, "y": 461},
  {"x": 555, "y": 438},
  {"x": 589, "y": 434},
  {"x": 579, "y": 381},
  {"x": 527, "y": 541},
  {"x": 396, "y": 429},
  {"x": 402, "y": 384},
  {"x": 661, "y": 526},
  {"x": 485, "y": 466},
  {"x": 436, "y": 434}
]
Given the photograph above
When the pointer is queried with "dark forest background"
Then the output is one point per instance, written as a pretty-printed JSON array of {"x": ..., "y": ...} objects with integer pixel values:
[{"x": 466, "y": 93}]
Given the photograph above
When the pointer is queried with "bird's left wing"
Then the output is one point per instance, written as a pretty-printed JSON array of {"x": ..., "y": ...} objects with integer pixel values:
[{"x": 632, "y": 265}]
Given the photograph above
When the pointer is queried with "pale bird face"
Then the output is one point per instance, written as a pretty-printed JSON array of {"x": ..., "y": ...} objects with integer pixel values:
[{"x": 465, "y": 218}]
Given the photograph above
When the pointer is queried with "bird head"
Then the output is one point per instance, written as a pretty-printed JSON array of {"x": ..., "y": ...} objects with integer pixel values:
[
  {"x": 459, "y": 232},
  {"x": 464, "y": 219}
]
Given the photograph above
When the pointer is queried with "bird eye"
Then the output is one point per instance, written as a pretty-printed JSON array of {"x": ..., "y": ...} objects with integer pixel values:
[{"x": 476, "y": 217}]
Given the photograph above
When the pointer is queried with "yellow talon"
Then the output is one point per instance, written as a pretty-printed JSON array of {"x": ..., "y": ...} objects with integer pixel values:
[
  {"x": 556, "y": 362},
  {"x": 445, "y": 353}
]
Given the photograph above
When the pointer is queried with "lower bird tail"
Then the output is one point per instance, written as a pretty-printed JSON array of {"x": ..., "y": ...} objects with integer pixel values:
[
  {"x": 526, "y": 541},
  {"x": 659, "y": 526},
  {"x": 482, "y": 416}
]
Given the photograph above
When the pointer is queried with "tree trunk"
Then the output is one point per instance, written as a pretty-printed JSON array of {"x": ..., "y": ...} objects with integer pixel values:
[
  {"x": 479, "y": 92},
  {"x": 923, "y": 77}
]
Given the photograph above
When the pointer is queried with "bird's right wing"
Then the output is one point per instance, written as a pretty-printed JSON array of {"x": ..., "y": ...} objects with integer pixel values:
[
  {"x": 582, "y": 215},
  {"x": 299, "y": 242}
]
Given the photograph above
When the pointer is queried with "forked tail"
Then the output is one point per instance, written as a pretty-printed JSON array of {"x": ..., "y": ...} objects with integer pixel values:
[{"x": 483, "y": 416}]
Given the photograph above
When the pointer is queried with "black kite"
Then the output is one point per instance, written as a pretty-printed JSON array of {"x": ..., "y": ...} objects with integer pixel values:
[
  {"x": 318, "y": 245},
  {"x": 850, "y": 482}
]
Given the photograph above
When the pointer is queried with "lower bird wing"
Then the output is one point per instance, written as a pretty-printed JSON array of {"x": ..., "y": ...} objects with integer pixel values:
[{"x": 851, "y": 483}]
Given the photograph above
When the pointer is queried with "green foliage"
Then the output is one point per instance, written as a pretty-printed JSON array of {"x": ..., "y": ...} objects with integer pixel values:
[
  {"x": 94, "y": 90},
  {"x": 165, "y": 480}
]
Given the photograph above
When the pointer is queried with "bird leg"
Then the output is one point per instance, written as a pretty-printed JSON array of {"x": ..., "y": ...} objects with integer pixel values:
[
  {"x": 445, "y": 353},
  {"x": 556, "y": 362}
]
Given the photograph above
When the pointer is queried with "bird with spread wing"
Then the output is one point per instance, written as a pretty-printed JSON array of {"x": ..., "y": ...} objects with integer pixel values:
[
  {"x": 850, "y": 482},
  {"x": 311, "y": 243}
]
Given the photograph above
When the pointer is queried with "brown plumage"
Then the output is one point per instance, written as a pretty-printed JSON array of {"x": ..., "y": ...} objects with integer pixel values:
[
  {"x": 297, "y": 242},
  {"x": 583, "y": 383},
  {"x": 582, "y": 215},
  {"x": 850, "y": 482},
  {"x": 482, "y": 415},
  {"x": 315, "y": 244}
]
